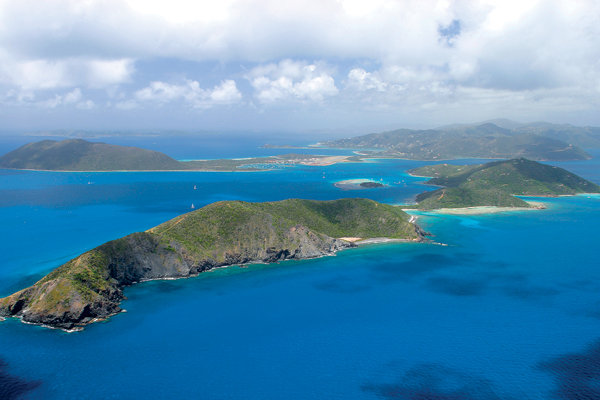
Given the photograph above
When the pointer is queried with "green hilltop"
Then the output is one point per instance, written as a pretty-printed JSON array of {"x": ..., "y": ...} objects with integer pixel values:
[
  {"x": 497, "y": 183},
  {"x": 90, "y": 287},
  {"x": 81, "y": 155}
]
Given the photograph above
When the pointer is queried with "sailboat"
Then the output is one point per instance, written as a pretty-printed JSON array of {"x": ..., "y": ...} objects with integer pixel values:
[
  {"x": 195, "y": 188},
  {"x": 192, "y": 207}
]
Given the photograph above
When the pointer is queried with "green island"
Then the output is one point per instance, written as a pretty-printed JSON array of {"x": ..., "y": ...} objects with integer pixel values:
[
  {"x": 90, "y": 287},
  {"x": 81, "y": 155},
  {"x": 487, "y": 140},
  {"x": 358, "y": 184},
  {"x": 496, "y": 184}
]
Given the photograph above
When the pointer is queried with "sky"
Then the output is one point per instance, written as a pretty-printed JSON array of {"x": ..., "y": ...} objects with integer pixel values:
[{"x": 334, "y": 66}]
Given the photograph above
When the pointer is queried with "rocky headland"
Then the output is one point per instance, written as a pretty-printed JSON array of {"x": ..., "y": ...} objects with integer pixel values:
[{"x": 90, "y": 287}]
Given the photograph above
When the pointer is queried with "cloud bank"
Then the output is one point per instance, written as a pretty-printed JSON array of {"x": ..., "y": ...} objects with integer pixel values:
[{"x": 380, "y": 62}]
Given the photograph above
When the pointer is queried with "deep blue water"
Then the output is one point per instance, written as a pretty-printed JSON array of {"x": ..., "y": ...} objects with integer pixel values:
[{"x": 510, "y": 309}]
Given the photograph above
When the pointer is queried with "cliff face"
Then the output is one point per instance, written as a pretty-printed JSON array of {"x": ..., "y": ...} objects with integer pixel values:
[{"x": 90, "y": 287}]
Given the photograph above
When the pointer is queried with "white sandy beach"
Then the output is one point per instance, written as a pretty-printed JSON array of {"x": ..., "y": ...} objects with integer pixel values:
[
  {"x": 357, "y": 240},
  {"x": 536, "y": 205}
]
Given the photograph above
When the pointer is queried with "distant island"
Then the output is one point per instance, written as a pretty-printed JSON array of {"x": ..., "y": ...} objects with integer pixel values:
[
  {"x": 90, "y": 287},
  {"x": 81, "y": 155},
  {"x": 358, "y": 184},
  {"x": 496, "y": 184},
  {"x": 541, "y": 141}
]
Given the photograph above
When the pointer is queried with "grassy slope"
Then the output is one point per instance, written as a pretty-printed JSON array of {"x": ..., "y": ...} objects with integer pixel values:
[
  {"x": 442, "y": 170},
  {"x": 495, "y": 184},
  {"x": 234, "y": 224},
  {"x": 460, "y": 197}
]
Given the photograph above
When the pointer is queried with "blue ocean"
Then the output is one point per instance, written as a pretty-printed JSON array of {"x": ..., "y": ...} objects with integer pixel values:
[{"x": 508, "y": 309}]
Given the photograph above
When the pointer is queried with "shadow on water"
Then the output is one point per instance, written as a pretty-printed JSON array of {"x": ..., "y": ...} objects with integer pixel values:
[
  {"x": 461, "y": 274},
  {"x": 12, "y": 387},
  {"x": 421, "y": 264},
  {"x": 341, "y": 284},
  {"x": 577, "y": 375},
  {"x": 528, "y": 291},
  {"x": 434, "y": 382},
  {"x": 457, "y": 286},
  {"x": 424, "y": 264},
  {"x": 517, "y": 286}
]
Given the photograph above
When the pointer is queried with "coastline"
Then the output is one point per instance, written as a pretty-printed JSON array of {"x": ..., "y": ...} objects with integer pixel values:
[
  {"x": 136, "y": 170},
  {"x": 324, "y": 161},
  {"x": 383, "y": 240},
  {"x": 558, "y": 195},
  {"x": 353, "y": 242},
  {"x": 359, "y": 241},
  {"x": 481, "y": 210}
]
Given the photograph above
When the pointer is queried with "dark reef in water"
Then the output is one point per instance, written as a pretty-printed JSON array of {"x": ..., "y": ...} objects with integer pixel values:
[
  {"x": 12, "y": 387},
  {"x": 577, "y": 375},
  {"x": 434, "y": 382}
]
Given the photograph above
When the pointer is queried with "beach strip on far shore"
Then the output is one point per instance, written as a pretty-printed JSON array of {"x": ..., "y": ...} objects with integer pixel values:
[{"x": 535, "y": 205}]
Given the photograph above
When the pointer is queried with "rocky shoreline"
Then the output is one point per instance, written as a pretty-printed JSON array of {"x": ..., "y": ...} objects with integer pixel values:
[
  {"x": 90, "y": 287},
  {"x": 140, "y": 264}
]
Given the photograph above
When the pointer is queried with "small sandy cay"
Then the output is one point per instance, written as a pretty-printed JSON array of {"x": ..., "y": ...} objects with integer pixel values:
[{"x": 358, "y": 184}]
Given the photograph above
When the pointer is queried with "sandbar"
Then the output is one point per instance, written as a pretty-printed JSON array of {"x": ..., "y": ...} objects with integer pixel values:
[
  {"x": 535, "y": 205},
  {"x": 324, "y": 161},
  {"x": 356, "y": 184}
]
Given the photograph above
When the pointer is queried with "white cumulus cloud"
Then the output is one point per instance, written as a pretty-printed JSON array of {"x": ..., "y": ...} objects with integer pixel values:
[
  {"x": 44, "y": 74},
  {"x": 190, "y": 92},
  {"x": 290, "y": 79},
  {"x": 362, "y": 80},
  {"x": 72, "y": 98}
]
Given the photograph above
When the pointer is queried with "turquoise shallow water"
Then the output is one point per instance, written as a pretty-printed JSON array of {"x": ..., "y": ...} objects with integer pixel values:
[{"x": 510, "y": 309}]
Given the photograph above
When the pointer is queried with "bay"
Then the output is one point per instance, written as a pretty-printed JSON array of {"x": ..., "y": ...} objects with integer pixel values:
[{"x": 491, "y": 315}]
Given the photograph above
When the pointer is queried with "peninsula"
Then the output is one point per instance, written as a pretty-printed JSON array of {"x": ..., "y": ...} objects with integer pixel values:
[
  {"x": 486, "y": 140},
  {"x": 90, "y": 287},
  {"x": 496, "y": 184},
  {"x": 81, "y": 155}
]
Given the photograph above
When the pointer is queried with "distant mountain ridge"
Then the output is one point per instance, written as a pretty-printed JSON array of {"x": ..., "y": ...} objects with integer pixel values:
[
  {"x": 539, "y": 141},
  {"x": 582, "y": 136}
]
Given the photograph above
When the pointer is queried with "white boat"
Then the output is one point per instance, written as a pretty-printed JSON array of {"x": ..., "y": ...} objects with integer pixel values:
[{"x": 192, "y": 207}]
